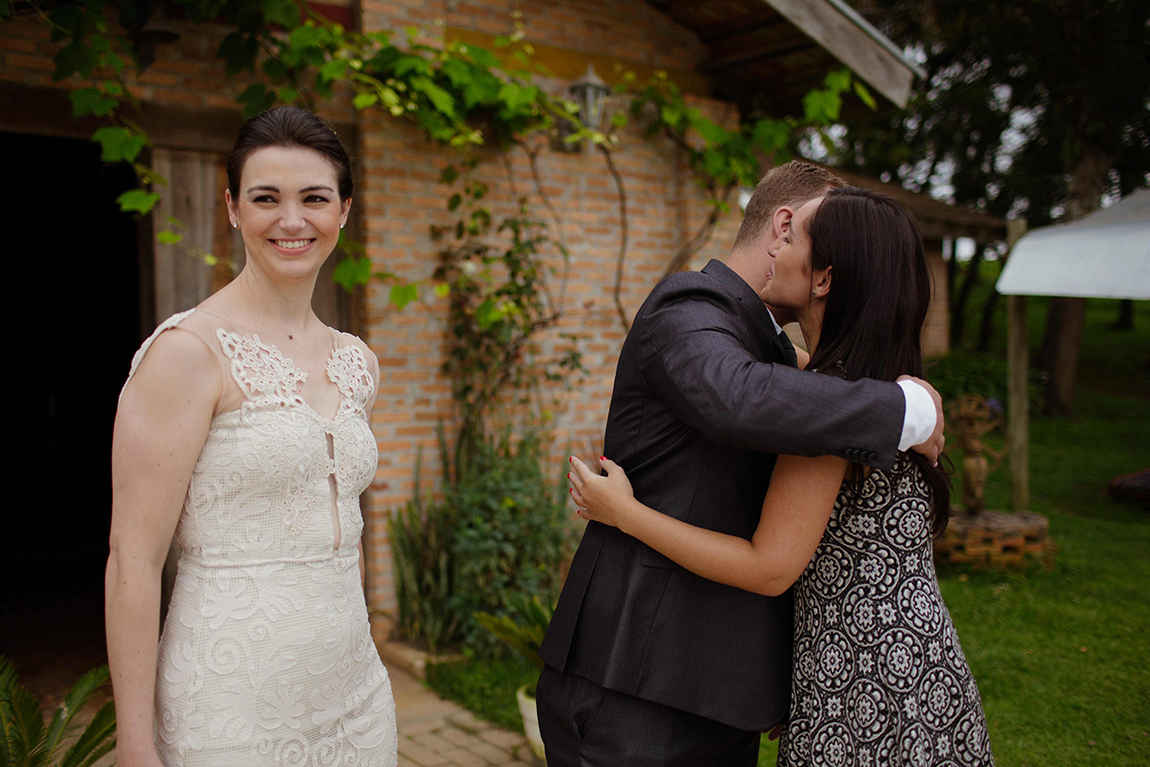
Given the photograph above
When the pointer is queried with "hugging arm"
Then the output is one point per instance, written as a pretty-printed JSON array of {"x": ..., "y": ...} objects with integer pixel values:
[
  {"x": 696, "y": 364},
  {"x": 795, "y": 514}
]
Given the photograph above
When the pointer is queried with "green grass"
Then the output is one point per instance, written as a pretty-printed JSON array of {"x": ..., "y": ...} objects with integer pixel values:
[
  {"x": 1048, "y": 702},
  {"x": 486, "y": 688},
  {"x": 1060, "y": 657}
]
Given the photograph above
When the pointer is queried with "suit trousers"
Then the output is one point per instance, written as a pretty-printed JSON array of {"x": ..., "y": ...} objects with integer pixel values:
[{"x": 585, "y": 725}]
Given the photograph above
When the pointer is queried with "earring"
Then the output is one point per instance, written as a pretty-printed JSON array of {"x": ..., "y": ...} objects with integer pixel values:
[
  {"x": 341, "y": 226},
  {"x": 235, "y": 225},
  {"x": 814, "y": 294}
]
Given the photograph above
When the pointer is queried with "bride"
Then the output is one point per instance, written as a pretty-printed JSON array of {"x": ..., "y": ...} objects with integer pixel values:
[{"x": 243, "y": 429}]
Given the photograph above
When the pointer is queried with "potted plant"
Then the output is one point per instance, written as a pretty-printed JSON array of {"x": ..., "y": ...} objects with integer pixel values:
[
  {"x": 521, "y": 629},
  {"x": 25, "y": 740}
]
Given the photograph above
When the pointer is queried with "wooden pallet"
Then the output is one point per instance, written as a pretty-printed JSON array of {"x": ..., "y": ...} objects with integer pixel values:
[{"x": 996, "y": 539}]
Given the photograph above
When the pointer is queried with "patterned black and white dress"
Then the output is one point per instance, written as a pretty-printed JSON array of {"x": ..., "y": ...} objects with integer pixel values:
[{"x": 879, "y": 675}]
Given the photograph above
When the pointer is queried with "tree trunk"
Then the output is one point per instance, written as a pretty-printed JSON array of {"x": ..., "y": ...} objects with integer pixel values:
[
  {"x": 952, "y": 269},
  {"x": 1063, "y": 339},
  {"x": 1125, "y": 319},
  {"x": 986, "y": 329},
  {"x": 958, "y": 311},
  {"x": 1064, "y": 354}
]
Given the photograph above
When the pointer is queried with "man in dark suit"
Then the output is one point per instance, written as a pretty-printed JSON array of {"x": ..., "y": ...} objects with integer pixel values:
[{"x": 647, "y": 663}]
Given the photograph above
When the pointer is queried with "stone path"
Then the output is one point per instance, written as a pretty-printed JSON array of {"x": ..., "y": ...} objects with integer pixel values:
[{"x": 438, "y": 733}]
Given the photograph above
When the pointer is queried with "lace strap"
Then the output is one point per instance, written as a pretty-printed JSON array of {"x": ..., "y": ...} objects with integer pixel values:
[
  {"x": 263, "y": 373},
  {"x": 167, "y": 324},
  {"x": 348, "y": 370}
]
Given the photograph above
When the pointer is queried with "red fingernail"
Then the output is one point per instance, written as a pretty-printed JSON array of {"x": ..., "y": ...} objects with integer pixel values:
[{"x": 602, "y": 458}]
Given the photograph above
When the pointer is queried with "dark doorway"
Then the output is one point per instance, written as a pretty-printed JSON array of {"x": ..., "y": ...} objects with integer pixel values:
[{"x": 76, "y": 294}]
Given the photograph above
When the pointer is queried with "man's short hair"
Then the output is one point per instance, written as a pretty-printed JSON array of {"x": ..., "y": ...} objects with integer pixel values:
[{"x": 791, "y": 184}]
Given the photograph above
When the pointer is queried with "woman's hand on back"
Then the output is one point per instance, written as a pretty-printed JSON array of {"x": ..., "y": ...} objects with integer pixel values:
[{"x": 601, "y": 498}]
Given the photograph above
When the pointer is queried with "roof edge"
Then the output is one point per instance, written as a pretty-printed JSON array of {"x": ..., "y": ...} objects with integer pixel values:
[{"x": 877, "y": 36}]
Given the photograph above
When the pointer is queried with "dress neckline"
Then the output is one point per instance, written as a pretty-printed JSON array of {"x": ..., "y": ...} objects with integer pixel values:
[
  {"x": 296, "y": 375},
  {"x": 288, "y": 374}
]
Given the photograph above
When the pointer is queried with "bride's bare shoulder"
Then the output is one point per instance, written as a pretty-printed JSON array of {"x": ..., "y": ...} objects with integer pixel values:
[{"x": 177, "y": 367}]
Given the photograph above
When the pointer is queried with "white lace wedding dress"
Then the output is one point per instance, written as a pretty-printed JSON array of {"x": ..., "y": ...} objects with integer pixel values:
[{"x": 266, "y": 657}]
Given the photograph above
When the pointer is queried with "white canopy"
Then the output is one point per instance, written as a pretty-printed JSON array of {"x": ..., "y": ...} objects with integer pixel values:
[{"x": 1103, "y": 255}]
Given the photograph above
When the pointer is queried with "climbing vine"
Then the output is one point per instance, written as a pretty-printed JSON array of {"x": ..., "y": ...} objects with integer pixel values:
[{"x": 462, "y": 96}]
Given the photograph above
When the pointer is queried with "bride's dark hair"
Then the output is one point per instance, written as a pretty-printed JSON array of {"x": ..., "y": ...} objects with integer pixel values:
[
  {"x": 877, "y": 304},
  {"x": 289, "y": 126}
]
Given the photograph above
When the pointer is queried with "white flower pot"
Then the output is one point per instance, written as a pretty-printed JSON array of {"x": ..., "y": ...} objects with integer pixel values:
[{"x": 530, "y": 722}]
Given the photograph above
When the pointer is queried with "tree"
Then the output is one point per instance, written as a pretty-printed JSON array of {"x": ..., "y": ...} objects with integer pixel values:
[{"x": 1032, "y": 107}]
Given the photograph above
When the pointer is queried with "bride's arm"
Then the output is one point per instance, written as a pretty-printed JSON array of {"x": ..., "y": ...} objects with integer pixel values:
[
  {"x": 161, "y": 425},
  {"x": 795, "y": 512}
]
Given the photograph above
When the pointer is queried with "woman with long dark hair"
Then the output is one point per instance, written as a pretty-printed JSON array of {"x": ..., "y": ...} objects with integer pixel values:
[
  {"x": 244, "y": 430},
  {"x": 879, "y": 677}
]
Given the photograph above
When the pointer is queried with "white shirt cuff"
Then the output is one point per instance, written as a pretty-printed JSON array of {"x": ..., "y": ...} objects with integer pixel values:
[{"x": 920, "y": 418}]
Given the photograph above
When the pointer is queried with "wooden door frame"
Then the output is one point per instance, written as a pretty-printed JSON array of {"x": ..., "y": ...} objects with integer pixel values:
[{"x": 48, "y": 112}]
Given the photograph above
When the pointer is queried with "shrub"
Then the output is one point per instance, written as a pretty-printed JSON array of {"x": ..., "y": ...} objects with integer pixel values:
[
  {"x": 521, "y": 627},
  {"x": 499, "y": 531},
  {"x": 961, "y": 373},
  {"x": 511, "y": 535},
  {"x": 420, "y": 542},
  {"x": 25, "y": 740}
]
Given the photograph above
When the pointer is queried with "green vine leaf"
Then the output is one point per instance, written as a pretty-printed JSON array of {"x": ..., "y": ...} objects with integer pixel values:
[
  {"x": 711, "y": 132},
  {"x": 770, "y": 135},
  {"x": 351, "y": 272},
  {"x": 169, "y": 238},
  {"x": 284, "y": 13},
  {"x": 864, "y": 94},
  {"x": 118, "y": 144},
  {"x": 838, "y": 80},
  {"x": 239, "y": 51},
  {"x": 412, "y": 65},
  {"x": 440, "y": 98},
  {"x": 365, "y": 100},
  {"x": 256, "y": 99},
  {"x": 402, "y": 295},
  {"x": 137, "y": 201},
  {"x": 306, "y": 36},
  {"x": 90, "y": 101},
  {"x": 76, "y": 58},
  {"x": 334, "y": 69},
  {"x": 822, "y": 106}
]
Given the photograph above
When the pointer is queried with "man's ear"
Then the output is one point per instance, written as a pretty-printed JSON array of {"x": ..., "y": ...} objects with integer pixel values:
[{"x": 781, "y": 221}]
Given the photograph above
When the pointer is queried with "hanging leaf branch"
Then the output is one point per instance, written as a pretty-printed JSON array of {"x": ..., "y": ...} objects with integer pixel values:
[{"x": 723, "y": 159}]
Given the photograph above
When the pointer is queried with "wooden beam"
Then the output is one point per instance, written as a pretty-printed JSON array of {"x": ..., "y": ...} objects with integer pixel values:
[
  {"x": 1018, "y": 352},
  {"x": 746, "y": 57},
  {"x": 568, "y": 64},
  {"x": 847, "y": 42},
  {"x": 48, "y": 112},
  {"x": 718, "y": 35}
]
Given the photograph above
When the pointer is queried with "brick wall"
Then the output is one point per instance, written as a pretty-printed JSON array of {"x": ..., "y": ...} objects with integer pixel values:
[
  {"x": 399, "y": 197},
  {"x": 402, "y": 198},
  {"x": 185, "y": 73}
]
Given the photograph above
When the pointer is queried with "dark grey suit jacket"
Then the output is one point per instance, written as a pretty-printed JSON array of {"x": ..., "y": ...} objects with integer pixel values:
[{"x": 695, "y": 419}]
